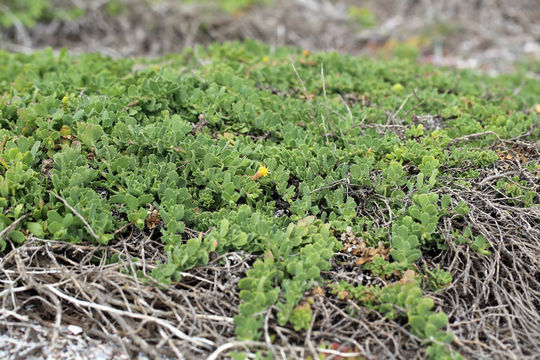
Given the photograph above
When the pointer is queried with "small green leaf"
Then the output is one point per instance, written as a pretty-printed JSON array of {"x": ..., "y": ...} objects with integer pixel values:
[
  {"x": 418, "y": 324},
  {"x": 17, "y": 237},
  {"x": 438, "y": 320},
  {"x": 193, "y": 246},
  {"x": 145, "y": 199},
  {"x": 132, "y": 91},
  {"x": 356, "y": 172},
  {"x": 481, "y": 245},
  {"x": 462, "y": 208},
  {"x": 313, "y": 273},
  {"x": 446, "y": 200},
  {"x": 430, "y": 331},
  {"x": 131, "y": 202},
  {"x": 35, "y": 228},
  {"x": 223, "y": 227}
]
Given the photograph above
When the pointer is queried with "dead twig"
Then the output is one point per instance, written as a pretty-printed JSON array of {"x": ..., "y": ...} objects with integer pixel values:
[
  {"x": 473, "y": 136},
  {"x": 12, "y": 226}
]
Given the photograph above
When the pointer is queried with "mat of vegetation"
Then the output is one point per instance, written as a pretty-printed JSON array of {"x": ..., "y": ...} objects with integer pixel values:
[{"x": 247, "y": 202}]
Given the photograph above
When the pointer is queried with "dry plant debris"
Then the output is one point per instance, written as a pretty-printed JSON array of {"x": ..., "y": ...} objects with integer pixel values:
[{"x": 357, "y": 246}]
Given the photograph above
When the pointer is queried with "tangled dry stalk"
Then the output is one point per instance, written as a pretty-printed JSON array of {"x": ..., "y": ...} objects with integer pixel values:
[{"x": 495, "y": 300}]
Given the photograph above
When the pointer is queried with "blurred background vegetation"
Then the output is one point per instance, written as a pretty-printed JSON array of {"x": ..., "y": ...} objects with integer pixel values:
[{"x": 494, "y": 36}]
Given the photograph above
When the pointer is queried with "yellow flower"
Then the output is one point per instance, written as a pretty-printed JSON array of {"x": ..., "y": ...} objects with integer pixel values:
[
  {"x": 263, "y": 171},
  {"x": 266, "y": 59}
]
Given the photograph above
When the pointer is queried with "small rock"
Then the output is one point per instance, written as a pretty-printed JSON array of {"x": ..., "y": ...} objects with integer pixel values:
[{"x": 74, "y": 329}]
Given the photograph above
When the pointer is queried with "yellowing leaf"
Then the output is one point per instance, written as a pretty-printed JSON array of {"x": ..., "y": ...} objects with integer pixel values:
[{"x": 65, "y": 131}]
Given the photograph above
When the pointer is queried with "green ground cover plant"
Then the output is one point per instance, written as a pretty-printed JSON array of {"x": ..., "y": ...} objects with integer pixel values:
[{"x": 244, "y": 149}]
